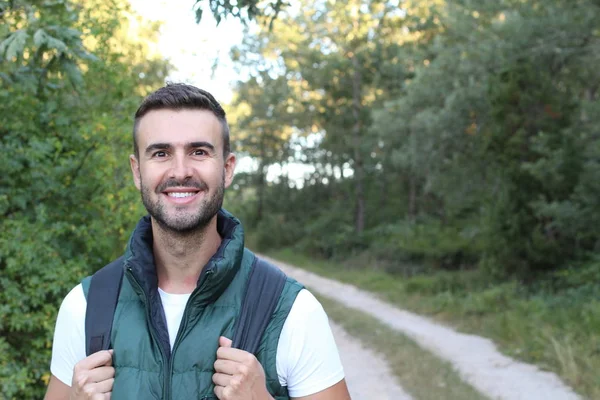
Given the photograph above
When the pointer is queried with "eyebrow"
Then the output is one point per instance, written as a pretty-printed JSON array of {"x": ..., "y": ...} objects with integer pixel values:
[
  {"x": 157, "y": 146},
  {"x": 168, "y": 146},
  {"x": 201, "y": 144}
]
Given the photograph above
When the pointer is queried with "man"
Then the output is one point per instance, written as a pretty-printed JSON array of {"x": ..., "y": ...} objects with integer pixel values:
[{"x": 185, "y": 271}]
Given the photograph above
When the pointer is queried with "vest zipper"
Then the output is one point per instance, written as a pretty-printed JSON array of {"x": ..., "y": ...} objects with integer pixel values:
[
  {"x": 184, "y": 318},
  {"x": 167, "y": 381}
]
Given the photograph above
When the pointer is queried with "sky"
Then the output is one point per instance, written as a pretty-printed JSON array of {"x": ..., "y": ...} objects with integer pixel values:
[{"x": 193, "y": 48}]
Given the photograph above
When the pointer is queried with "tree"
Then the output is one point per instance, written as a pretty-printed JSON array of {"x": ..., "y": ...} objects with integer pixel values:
[
  {"x": 68, "y": 93},
  {"x": 463, "y": 133},
  {"x": 245, "y": 10}
]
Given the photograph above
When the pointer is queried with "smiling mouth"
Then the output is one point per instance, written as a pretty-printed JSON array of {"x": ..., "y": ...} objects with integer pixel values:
[{"x": 180, "y": 195}]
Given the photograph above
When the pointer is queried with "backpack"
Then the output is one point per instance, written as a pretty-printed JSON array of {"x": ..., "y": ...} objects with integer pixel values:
[{"x": 263, "y": 289}]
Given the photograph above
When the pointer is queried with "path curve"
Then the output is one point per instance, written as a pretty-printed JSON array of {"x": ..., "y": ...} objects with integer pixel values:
[
  {"x": 475, "y": 358},
  {"x": 367, "y": 374}
]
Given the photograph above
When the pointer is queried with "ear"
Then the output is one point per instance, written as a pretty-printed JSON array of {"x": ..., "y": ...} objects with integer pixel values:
[
  {"x": 135, "y": 171},
  {"x": 229, "y": 167}
]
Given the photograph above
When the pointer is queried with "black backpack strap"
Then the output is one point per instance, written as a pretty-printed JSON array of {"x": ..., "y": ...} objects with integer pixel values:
[
  {"x": 101, "y": 303},
  {"x": 265, "y": 285}
]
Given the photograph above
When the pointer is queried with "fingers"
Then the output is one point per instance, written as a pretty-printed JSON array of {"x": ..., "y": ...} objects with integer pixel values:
[
  {"x": 224, "y": 342},
  {"x": 109, "y": 361},
  {"x": 238, "y": 374},
  {"x": 219, "y": 391},
  {"x": 232, "y": 391},
  {"x": 104, "y": 386},
  {"x": 98, "y": 359},
  {"x": 227, "y": 367},
  {"x": 228, "y": 353},
  {"x": 101, "y": 374},
  {"x": 221, "y": 379},
  {"x": 93, "y": 391},
  {"x": 93, "y": 377},
  {"x": 101, "y": 396}
]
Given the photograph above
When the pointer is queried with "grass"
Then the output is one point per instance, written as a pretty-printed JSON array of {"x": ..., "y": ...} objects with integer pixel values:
[
  {"x": 559, "y": 332},
  {"x": 420, "y": 373}
]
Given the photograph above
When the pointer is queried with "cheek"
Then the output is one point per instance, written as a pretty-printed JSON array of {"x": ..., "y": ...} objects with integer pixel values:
[
  {"x": 148, "y": 173},
  {"x": 147, "y": 179}
]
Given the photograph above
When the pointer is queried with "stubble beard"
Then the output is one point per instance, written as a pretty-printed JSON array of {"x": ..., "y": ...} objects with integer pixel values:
[{"x": 183, "y": 222}]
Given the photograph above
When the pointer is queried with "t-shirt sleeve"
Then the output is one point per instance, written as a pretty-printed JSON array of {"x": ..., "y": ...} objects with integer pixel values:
[
  {"x": 307, "y": 356},
  {"x": 68, "y": 347}
]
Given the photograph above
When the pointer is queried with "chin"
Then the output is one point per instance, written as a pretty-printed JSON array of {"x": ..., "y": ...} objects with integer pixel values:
[{"x": 185, "y": 224}]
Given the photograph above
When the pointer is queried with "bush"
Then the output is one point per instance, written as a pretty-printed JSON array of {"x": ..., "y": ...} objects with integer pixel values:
[{"x": 439, "y": 245}]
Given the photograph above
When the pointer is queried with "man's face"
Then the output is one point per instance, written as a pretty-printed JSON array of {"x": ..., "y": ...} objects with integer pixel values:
[{"x": 181, "y": 172}]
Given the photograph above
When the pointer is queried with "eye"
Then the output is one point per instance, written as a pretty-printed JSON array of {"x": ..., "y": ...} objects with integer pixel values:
[
  {"x": 159, "y": 154},
  {"x": 199, "y": 152}
]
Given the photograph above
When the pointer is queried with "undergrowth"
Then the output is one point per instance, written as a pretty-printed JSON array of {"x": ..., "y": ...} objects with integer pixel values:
[{"x": 554, "y": 323}]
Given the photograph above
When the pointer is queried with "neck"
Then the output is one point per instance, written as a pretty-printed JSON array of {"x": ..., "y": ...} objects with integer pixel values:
[{"x": 181, "y": 257}]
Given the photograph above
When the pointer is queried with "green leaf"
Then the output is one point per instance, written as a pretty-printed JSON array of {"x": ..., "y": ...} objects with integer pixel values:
[
  {"x": 57, "y": 44},
  {"x": 73, "y": 73},
  {"x": 14, "y": 44},
  {"x": 39, "y": 38}
]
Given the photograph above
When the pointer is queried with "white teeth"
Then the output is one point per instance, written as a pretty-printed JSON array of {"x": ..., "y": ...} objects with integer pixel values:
[{"x": 180, "y": 194}]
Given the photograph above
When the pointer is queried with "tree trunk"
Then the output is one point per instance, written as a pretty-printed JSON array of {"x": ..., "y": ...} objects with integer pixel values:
[
  {"x": 412, "y": 196},
  {"x": 358, "y": 161},
  {"x": 261, "y": 181}
]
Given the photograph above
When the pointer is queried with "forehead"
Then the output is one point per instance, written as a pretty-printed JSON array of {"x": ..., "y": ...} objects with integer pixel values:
[{"x": 179, "y": 127}]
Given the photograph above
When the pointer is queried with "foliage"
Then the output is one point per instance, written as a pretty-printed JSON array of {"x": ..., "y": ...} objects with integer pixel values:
[
  {"x": 447, "y": 135},
  {"x": 244, "y": 10},
  {"x": 454, "y": 133},
  {"x": 69, "y": 82},
  {"x": 451, "y": 152},
  {"x": 553, "y": 327}
]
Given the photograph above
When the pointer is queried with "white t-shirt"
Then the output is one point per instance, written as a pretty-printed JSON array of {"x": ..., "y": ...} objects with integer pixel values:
[{"x": 307, "y": 357}]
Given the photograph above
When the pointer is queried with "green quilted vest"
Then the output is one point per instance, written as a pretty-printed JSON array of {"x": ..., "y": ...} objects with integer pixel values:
[{"x": 145, "y": 366}]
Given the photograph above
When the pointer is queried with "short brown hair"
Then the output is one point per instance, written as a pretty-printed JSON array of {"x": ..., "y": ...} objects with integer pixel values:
[{"x": 181, "y": 96}]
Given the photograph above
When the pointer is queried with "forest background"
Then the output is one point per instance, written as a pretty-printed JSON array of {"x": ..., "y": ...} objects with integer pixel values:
[{"x": 451, "y": 151}]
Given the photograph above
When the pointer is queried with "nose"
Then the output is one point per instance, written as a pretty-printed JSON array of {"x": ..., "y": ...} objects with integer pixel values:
[{"x": 180, "y": 169}]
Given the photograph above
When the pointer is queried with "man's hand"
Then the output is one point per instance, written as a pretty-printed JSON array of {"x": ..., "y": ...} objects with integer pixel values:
[
  {"x": 93, "y": 377},
  {"x": 239, "y": 375}
]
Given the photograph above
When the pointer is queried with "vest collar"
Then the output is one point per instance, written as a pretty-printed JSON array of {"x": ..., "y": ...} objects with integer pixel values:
[{"x": 217, "y": 273}]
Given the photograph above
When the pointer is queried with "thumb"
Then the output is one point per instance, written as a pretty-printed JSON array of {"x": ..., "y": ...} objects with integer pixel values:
[
  {"x": 224, "y": 342},
  {"x": 110, "y": 359},
  {"x": 97, "y": 359}
]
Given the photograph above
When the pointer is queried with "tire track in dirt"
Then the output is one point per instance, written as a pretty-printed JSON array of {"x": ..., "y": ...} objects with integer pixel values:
[
  {"x": 367, "y": 374},
  {"x": 477, "y": 359}
]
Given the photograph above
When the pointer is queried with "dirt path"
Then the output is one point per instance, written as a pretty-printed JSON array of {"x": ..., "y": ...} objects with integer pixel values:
[
  {"x": 367, "y": 374},
  {"x": 475, "y": 358}
]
